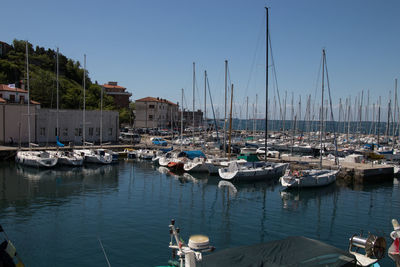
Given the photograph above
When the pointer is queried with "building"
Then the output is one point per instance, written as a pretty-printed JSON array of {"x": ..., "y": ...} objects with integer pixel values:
[
  {"x": 14, "y": 121},
  {"x": 70, "y": 126},
  {"x": 154, "y": 112},
  {"x": 121, "y": 98},
  {"x": 14, "y": 115}
]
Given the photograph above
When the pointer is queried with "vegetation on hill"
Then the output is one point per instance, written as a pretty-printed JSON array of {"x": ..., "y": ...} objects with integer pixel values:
[{"x": 42, "y": 77}]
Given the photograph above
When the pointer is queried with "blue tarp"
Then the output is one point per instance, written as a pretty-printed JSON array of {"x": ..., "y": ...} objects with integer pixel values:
[
  {"x": 59, "y": 143},
  {"x": 192, "y": 154}
]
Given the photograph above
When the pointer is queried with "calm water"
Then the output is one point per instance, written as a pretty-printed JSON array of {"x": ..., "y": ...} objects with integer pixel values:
[{"x": 55, "y": 217}]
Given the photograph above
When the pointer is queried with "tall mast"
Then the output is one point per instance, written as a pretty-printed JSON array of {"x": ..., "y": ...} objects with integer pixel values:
[
  {"x": 84, "y": 99},
  {"x": 182, "y": 120},
  {"x": 194, "y": 81},
  {"x": 58, "y": 129},
  {"x": 29, "y": 100},
  {"x": 322, "y": 108},
  {"x": 205, "y": 99},
  {"x": 101, "y": 116},
  {"x": 226, "y": 81},
  {"x": 230, "y": 126},
  {"x": 266, "y": 83}
]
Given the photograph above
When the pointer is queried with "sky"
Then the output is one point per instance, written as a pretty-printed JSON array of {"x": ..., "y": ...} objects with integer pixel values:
[{"x": 149, "y": 46}]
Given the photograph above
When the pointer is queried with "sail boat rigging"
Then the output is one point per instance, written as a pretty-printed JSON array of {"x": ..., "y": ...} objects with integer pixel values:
[{"x": 313, "y": 177}]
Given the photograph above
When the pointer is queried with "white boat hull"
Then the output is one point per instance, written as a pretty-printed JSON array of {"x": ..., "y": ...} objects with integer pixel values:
[
  {"x": 252, "y": 171},
  {"x": 310, "y": 178},
  {"x": 36, "y": 159}
]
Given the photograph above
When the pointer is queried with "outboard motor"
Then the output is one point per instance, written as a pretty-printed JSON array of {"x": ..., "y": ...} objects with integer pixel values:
[{"x": 393, "y": 251}]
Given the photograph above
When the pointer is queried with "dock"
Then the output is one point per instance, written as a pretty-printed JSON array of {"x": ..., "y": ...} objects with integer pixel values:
[{"x": 350, "y": 171}]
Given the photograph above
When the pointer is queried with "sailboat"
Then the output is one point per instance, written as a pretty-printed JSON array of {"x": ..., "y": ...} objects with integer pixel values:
[
  {"x": 99, "y": 156},
  {"x": 312, "y": 177},
  {"x": 33, "y": 158},
  {"x": 67, "y": 158},
  {"x": 260, "y": 170}
]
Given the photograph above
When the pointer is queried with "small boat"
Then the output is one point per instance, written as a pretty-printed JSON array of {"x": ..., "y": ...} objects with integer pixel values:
[
  {"x": 145, "y": 154},
  {"x": 214, "y": 164},
  {"x": 309, "y": 178},
  {"x": 36, "y": 159},
  {"x": 249, "y": 171},
  {"x": 176, "y": 165}
]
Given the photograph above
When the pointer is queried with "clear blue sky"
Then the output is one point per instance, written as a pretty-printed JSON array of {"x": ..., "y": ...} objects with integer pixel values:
[{"x": 149, "y": 46}]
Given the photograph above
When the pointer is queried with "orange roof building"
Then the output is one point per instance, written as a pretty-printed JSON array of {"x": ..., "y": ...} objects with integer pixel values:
[
  {"x": 121, "y": 97},
  {"x": 13, "y": 95}
]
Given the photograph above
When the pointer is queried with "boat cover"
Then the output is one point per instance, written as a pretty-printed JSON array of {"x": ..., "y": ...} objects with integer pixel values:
[
  {"x": 292, "y": 251},
  {"x": 192, "y": 154},
  {"x": 165, "y": 150}
]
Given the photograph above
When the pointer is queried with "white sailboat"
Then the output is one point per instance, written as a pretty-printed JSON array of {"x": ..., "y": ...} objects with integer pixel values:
[
  {"x": 312, "y": 177},
  {"x": 196, "y": 165},
  {"x": 33, "y": 158},
  {"x": 250, "y": 171},
  {"x": 260, "y": 170}
]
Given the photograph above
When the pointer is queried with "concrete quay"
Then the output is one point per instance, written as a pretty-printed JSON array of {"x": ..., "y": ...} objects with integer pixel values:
[{"x": 350, "y": 171}]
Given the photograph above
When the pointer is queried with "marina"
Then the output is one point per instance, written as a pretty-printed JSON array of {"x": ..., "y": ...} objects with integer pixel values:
[{"x": 55, "y": 216}]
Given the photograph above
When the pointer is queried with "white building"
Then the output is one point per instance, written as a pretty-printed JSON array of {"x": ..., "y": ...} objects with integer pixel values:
[{"x": 154, "y": 112}]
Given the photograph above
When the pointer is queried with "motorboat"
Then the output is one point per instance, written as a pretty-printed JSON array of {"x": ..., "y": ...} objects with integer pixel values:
[
  {"x": 98, "y": 156},
  {"x": 196, "y": 165}
]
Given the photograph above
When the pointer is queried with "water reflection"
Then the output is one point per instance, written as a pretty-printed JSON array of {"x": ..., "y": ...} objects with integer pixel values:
[
  {"x": 23, "y": 183},
  {"x": 294, "y": 199}
]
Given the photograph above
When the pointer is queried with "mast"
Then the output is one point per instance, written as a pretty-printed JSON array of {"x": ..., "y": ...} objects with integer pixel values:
[
  {"x": 247, "y": 111},
  {"x": 205, "y": 99},
  {"x": 226, "y": 81},
  {"x": 322, "y": 108},
  {"x": 266, "y": 83},
  {"x": 58, "y": 129},
  {"x": 29, "y": 100},
  {"x": 84, "y": 100},
  {"x": 101, "y": 116},
  {"x": 230, "y": 125},
  {"x": 182, "y": 121},
  {"x": 194, "y": 81}
]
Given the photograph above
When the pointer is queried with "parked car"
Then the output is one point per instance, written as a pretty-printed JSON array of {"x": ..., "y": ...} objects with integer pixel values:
[
  {"x": 159, "y": 141},
  {"x": 129, "y": 138}
]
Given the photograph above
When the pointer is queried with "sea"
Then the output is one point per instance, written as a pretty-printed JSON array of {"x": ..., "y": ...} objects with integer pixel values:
[{"x": 63, "y": 217}]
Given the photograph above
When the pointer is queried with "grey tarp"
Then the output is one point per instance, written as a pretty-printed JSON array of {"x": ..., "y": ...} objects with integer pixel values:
[{"x": 292, "y": 251}]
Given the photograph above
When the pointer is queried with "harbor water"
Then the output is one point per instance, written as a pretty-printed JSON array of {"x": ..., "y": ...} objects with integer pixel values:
[{"x": 57, "y": 217}]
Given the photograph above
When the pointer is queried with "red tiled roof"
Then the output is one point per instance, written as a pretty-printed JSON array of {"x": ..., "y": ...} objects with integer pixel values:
[
  {"x": 5, "y": 87},
  {"x": 2, "y": 100},
  {"x": 113, "y": 86},
  {"x": 153, "y": 99}
]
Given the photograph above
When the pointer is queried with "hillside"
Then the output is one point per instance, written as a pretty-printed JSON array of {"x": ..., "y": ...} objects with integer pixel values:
[{"x": 42, "y": 74}]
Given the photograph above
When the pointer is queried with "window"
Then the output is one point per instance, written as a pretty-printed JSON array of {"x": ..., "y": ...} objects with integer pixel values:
[
  {"x": 65, "y": 132},
  {"x": 78, "y": 131},
  {"x": 97, "y": 131},
  {"x": 110, "y": 130},
  {"x": 21, "y": 99},
  {"x": 42, "y": 131},
  {"x": 55, "y": 131},
  {"x": 12, "y": 98},
  {"x": 90, "y": 131},
  {"x": 1, "y": 95},
  {"x": 150, "y": 117},
  {"x": 151, "y": 106}
]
